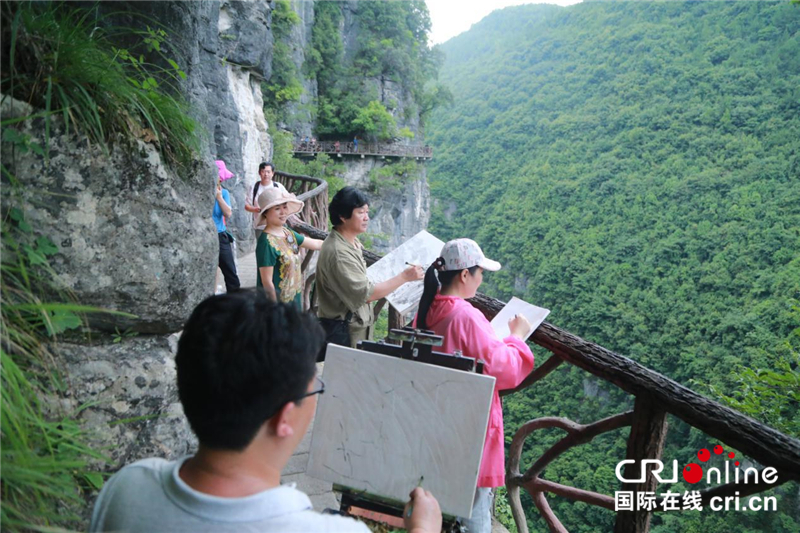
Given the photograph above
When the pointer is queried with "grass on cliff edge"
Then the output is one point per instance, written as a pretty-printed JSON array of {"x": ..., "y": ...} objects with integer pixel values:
[
  {"x": 59, "y": 58},
  {"x": 45, "y": 455},
  {"x": 44, "y": 451}
]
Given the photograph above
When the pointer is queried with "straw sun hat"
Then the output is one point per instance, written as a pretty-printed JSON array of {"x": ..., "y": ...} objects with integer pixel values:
[{"x": 275, "y": 196}]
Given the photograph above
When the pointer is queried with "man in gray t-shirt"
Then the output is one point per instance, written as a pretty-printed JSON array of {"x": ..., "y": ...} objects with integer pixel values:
[{"x": 247, "y": 382}]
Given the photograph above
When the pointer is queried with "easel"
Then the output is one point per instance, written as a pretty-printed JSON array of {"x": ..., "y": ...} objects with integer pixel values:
[{"x": 416, "y": 345}]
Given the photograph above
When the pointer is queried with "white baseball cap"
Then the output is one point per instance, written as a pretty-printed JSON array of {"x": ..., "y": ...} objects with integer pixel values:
[{"x": 459, "y": 254}]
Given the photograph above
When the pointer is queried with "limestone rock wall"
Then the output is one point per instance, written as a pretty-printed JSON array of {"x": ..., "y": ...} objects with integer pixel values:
[
  {"x": 301, "y": 118},
  {"x": 396, "y": 214},
  {"x": 225, "y": 48},
  {"x": 129, "y": 233},
  {"x": 134, "y": 411}
]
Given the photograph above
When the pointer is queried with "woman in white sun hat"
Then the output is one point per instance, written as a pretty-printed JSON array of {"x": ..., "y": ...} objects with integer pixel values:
[
  {"x": 443, "y": 308},
  {"x": 278, "y": 247}
]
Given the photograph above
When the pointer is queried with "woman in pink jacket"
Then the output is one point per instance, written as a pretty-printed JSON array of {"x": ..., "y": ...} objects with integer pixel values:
[{"x": 445, "y": 311}]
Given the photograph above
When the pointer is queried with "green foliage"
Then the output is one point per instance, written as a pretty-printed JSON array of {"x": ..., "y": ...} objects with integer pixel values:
[
  {"x": 283, "y": 19},
  {"x": 284, "y": 85},
  {"x": 771, "y": 395},
  {"x": 321, "y": 166},
  {"x": 502, "y": 510},
  {"x": 119, "y": 336},
  {"x": 393, "y": 175},
  {"x": 381, "y": 323},
  {"x": 61, "y": 60},
  {"x": 392, "y": 45},
  {"x": 391, "y": 37},
  {"x": 635, "y": 168},
  {"x": 324, "y": 56},
  {"x": 375, "y": 122},
  {"x": 405, "y": 133}
]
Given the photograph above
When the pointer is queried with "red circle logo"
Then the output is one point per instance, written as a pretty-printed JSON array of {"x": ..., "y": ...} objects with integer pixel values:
[
  {"x": 718, "y": 449},
  {"x": 692, "y": 473},
  {"x": 704, "y": 455}
]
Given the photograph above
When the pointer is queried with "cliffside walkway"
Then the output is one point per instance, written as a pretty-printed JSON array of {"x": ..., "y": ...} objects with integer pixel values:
[
  {"x": 655, "y": 397},
  {"x": 383, "y": 150}
]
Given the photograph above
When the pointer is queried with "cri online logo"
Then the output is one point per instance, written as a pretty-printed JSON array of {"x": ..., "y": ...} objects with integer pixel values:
[{"x": 693, "y": 472}]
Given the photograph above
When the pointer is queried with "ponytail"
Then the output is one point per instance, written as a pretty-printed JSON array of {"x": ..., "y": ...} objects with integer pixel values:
[
  {"x": 434, "y": 277},
  {"x": 431, "y": 287}
]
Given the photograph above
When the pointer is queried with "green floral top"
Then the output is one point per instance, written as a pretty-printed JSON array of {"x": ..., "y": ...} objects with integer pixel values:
[{"x": 283, "y": 254}]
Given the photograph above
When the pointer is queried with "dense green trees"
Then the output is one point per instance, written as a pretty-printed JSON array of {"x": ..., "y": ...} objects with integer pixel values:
[
  {"x": 391, "y": 44},
  {"x": 284, "y": 85},
  {"x": 636, "y": 169}
]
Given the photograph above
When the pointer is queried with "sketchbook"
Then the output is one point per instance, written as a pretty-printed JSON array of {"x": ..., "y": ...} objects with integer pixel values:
[
  {"x": 535, "y": 316},
  {"x": 422, "y": 249}
]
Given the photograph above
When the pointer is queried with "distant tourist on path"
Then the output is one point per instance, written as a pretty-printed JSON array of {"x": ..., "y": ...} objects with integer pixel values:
[
  {"x": 278, "y": 248},
  {"x": 248, "y": 386},
  {"x": 336, "y": 146},
  {"x": 222, "y": 209},
  {"x": 446, "y": 311},
  {"x": 265, "y": 173},
  {"x": 355, "y": 144},
  {"x": 343, "y": 289}
]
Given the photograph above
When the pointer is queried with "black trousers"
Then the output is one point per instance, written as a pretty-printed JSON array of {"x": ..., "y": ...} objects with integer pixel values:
[{"x": 226, "y": 263}]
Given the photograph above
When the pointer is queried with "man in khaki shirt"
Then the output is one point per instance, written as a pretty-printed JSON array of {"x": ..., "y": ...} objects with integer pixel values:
[{"x": 342, "y": 283}]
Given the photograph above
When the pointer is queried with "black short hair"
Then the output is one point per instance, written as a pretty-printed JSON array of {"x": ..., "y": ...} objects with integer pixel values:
[
  {"x": 344, "y": 202},
  {"x": 262, "y": 166},
  {"x": 241, "y": 357}
]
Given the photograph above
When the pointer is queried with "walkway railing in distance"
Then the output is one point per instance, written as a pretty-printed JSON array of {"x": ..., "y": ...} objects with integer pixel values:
[
  {"x": 655, "y": 397},
  {"x": 375, "y": 149},
  {"x": 313, "y": 192}
]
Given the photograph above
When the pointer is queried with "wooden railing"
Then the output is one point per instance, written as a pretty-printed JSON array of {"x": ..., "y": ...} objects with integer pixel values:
[
  {"x": 363, "y": 149},
  {"x": 655, "y": 397}
]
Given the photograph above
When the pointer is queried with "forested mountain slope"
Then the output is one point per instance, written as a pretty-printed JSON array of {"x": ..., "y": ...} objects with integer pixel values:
[{"x": 636, "y": 168}]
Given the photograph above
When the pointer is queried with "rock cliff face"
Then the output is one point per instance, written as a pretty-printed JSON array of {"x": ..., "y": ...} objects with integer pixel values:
[
  {"x": 129, "y": 233},
  {"x": 301, "y": 118},
  {"x": 397, "y": 213},
  {"x": 227, "y": 48},
  {"x": 134, "y": 380}
]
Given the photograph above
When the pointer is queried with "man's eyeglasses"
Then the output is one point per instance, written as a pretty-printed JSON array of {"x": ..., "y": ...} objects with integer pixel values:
[{"x": 319, "y": 388}]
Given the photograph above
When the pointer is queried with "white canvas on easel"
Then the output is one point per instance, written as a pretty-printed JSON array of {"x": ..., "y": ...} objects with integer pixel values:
[
  {"x": 422, "y": 249},
  {"x": 515, "y": 306},
  {"x": 384, "y": 423}
]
